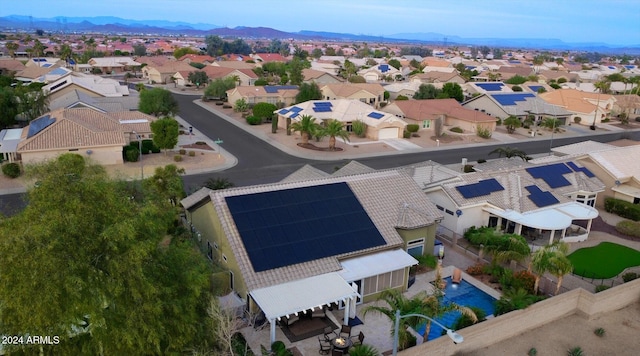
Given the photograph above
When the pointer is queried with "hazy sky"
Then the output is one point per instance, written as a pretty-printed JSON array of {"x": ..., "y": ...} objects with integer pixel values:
[{"x": 608, "y": 21}]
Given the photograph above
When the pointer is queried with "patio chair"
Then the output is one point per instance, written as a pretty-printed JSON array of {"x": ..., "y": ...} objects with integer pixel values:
[
  {"x": 346, "y": 330},
  {"x": 357, "y": 340},
  {"x": 329, "y": 333},
  {"x": 325, "y": 346}
]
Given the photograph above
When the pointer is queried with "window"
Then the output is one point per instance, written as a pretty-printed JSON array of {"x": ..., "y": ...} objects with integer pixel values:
[
  {"x": 439, "y": 207},
  {"x": 209, "y": 251},
  {"x": 426, "y": 124},
  {"x": 224, "y": 258},
  {"x": 586, "y": 199},
  {"x": 215, "y": 245},
  {"x": 448, "y": 212},
  {"x": 348, "y": 126},
  {"x": 397, "y": 278},
  {"x": 415, "y": 247},
  {"x": 370, "y": 285},
  {"x": 231, "y": 280}
]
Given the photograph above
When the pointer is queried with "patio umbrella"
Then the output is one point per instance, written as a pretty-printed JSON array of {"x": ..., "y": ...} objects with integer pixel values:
[{"x": 352, "y": 302}]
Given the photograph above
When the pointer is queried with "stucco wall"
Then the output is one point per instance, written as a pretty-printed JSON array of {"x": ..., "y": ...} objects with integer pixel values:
[
  {"x": 102, "y": 155},
  {"x": 517, "y": 322}
]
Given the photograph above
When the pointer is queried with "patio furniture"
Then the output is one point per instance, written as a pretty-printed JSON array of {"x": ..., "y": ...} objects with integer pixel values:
[
  {"x": 329, "y": 333},
  {"x": 345, "y": 331},
  {"x": 320, "y": 313},
  {"x": 357, "y": 340},
  {"x": 325, "y": 346},
  {"x": 341, "y": 344}
]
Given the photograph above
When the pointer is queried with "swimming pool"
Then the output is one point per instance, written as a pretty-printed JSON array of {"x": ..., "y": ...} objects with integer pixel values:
[{"x": 464, "y": 294}]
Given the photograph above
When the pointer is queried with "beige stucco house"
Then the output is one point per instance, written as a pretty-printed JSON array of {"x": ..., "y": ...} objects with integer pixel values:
[
  {"x": 163, "y": 74},
  {"x": 369, "y": 93},
  {"x": 592, "y": 108},
  {"x": 272, "y": 94},
  {"x": 319, "y": 77}
]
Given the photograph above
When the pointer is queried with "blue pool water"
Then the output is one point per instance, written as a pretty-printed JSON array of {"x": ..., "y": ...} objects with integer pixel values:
[{"x": 463, "y": 294}]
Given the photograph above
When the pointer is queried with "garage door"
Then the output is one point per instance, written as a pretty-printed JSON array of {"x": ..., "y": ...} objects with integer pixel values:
[{"x": 389, "y": 132}]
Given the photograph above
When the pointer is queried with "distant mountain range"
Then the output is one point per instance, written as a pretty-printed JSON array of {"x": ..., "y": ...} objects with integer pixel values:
[{"x": 116, "y": 25}]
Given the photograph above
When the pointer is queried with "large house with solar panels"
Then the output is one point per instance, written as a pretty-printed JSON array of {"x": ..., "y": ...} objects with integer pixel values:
[
  {"x": 519, "y": 104},
  {"x": 90, "y": 133},
  {"x": 379, "y": 72},
  {"x": 273, "y": 94},
  {"x": 541, "y": 202},
  {"x": 592, "y": 108},
  {"x": 304, "y": 244},
  {"x": 380, "y": 125}
]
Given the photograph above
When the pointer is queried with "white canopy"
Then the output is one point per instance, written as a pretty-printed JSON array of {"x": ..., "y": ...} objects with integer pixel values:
[
  {"x": 554, "y": 218},
  {"x": 357, "y": 268},
  {"x": 304, "y": 294}
]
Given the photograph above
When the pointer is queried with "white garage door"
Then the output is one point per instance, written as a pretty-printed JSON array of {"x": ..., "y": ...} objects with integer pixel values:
[{"x": 389, "y": 132}]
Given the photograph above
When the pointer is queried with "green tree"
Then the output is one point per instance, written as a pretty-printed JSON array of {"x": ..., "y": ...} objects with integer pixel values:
[
  {"x": 8, "y": 107},
  {"x": 165, "y": 133},
  {"x": 516, "y": 80},
  {"x": 157, "y": 102},
  {"x": 453, "y": 90},
  {"x": 218, "y": 88},
  {"x": 180, "y": 52},
  {"x": 511, "y": 123},
  {"x": 166, "y": 184},
  {"x": 198, "y": 78},
  {"x": 264, "y": 110},
  {"x": 550, "y": 258},
  {"x": 426, "y": 91},
  {"x": 510, "y": 152},
  {"x": 295, "y": 67},
  {"x": 334, "y": 128},
  {"x": 12, "y": 47},
  {"x": 32, "y": 101},
  {"x": 66, "y": 53},
  {"x": 306, "y": 126},
  {"x": 103, "y": 275},
  {"x": 551, "y": 123},
  {"x": 316, "y": 53},
  {"x": 240, "y": 105},
  {"x": 139, "y": 50},
  {"x": 514, "y": 299},
  {"x": 395, "y": 63},
  {"x": 308, "y": 91},
  {"x": 218, "y": 183}
]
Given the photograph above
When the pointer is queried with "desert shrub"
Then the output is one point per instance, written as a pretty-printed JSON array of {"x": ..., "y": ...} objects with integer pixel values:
[
  {"x": 468, "y": 168},
  {"x": 192, "y": 153},
  {"x": 606, "y": 120},
  {"x": 483, "y": 132},
  {"x": 475, "y": 270},
  {"x": 516, "y": 88},
  {"x": 427, "y": 260},
  {"x": 622, "y": 208},
  {"x": 577, "y": 119},
  {"x": 562, "y": 80},
  {"x": 481, "y": 160},
  {"x": 11, "y": 170},
  {"x": 383, "y": 104},
  {"x": 177, "y": 158},
  {"x": 219, "y": 103},
  {"x": 555, "y": 86},
  {"x": 629, "y": 276},
  {"x": 631, "y": 228},
  {"x": 498, "y": 122},
  {"x": 200, "y": 143},
  {"x": 532, "y": 352},
  {"x": 402, "y": 97},
  {"x": 254, "y": 120},
  {"x": 601, "y": 287},
  {"x": 406, "y": 134},
  {"x": 359, "y": 128},
  {"x": 456, "y": 129},
  {"x": 182, "y": 151},
  {"x": 599, "y": 332},
  {"x": 131, "y": 154},
  {"x": 524, "y": 279},
  {"x": 413, "y": 128},
  {"x": 575, "y": 351},
  {"x": 149, "y": 146}
]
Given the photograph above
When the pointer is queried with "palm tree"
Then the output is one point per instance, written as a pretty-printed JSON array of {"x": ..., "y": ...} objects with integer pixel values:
[
  {"x": 12, "y": 47},
  {"x": 559, "y": 266},
  {"x": 514, "y": 299},
  {"x": 512, "y": 123},
  {"x": 334, "y": 128},
  {"x": 363, "y": 350},
  {"x": 506, "y": 248},
  {"x": 509, "y": 152},
  {"x": 218, "y": 183},
  {"x": 306, "y": 126},
  {"x": 551, "y": 258}
]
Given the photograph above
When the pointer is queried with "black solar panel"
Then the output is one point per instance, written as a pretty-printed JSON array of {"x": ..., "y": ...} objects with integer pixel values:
[
  {"x": 584, "y": 170},
  {"x": 39, "y": 124},
  {"x": 540, "y": 198},
  {"x": 552, "y": 174},
  {"x": 483, "y": 187},
  {"x": 286, "y": 227}
]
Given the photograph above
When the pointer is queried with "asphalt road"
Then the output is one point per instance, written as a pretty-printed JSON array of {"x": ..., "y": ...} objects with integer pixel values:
[{"x": 260, "y": 163}]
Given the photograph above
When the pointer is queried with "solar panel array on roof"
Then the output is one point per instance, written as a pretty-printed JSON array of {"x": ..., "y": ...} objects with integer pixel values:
[
  {"x": 294, "y": 115},
  {"x": 490, "y": 86},
  {"x": 283, "y": 111},
  {"x": 40, "y": 124},
  {"x": 272, "y": 89},
  {"x": 470, "y": 67},
  {"x": 629, "y": 66},
  {"x": 584, "y": 170},
  {"x": 511, "y": 98},
  {"x": 483, "y": 187},
  {"x": 383, "y": 68},
  {"x": 612, "y": 67},
  {"x": 540, "y": 198},
  {"x": 535, "y": 87},
  {"x": 375, "y": 115},
  {"x": 322, "y": 106},
  {"x": 295, "y": 109},
  {"x": 552, "y": 174},
  {"x": 286, "y": 227},
  {"x": 514, "y": 61}
]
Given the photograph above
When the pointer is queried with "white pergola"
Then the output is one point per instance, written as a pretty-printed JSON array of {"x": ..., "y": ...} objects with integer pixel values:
[{"x": 298, "y": 296}]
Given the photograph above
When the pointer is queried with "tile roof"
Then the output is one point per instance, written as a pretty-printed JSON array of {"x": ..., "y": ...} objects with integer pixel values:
[
  {"x": 344, "y": 110},
  {"x": 575, "y": 100},
  {"x": 84, "y": 128},
  {"x": 432, "y": 109},
  {"x": 76, "y": 98},
  {"x": 621, "y": 162},
  {"x": 345, "y": 90},
  {"x": 351, "y": 168},
  {"x": 429, "y": 173},
  {"x": 305, "y": 173},
  {"x": 385, "y": 196}
]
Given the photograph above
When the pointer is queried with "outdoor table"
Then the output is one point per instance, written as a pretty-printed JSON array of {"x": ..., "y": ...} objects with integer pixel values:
[{"x": 341, "y": 343}]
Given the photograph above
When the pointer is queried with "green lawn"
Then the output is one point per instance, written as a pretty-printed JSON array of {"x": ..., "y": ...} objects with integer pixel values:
[{"x": 605, "y": 260}]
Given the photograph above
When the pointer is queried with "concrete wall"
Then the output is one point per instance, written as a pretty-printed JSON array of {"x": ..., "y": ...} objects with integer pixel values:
[{"x": 492, "y": 331}]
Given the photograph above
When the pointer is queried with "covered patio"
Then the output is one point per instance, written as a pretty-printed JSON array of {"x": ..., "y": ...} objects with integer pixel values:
[
  {"x": 288, "y": 300},
  {"x": 570, "y": 222}
]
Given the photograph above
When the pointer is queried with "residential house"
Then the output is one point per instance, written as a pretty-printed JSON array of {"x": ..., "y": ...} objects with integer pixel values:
[
  {"x": 273, "y": 94},
  {"x": 326, "y": 66},
  {"x": 541, "y": 202},
  {"x": 245, "y": 77},
  {"x": 520, "y": 105},
  {"x": 163, "y": 74},
  {"x": 77, "y": 98},
  {"x": 33, "y": 73},
  {"x": 93, "y": 134},
  {"x": 10, "y": 66},
  {"x": 438, "y": 78},
  {"x": 549, "y": 76},
  {"x": 298, "y": 246},
  {"x": 319, "y": 77},
  {"x": 369, "y": 93},
  {"x": 424, "y": 113},
  {"x": 507, "y": 72},
  {"x": 197, "y": 58},
  {"x": 234, "y": 64},
  {"x": 89, "y": 84},
  {"x": 111, "y": 65},
  {"x": 380, "y": 72},
  {"x": 45, "y": 62},
  {"x": 406, "y": 89},
  {"x": 261, "y": 58},
  {"x": 380, "y": 125},
  {"x": 592, "y": 108},
  {"x": 627, "y": 104}
]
